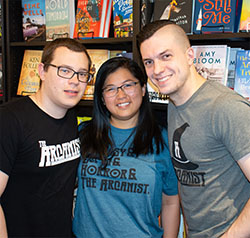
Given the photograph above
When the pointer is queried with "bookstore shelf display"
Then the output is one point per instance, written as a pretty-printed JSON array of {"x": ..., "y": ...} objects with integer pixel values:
[{"x": 15, "y": 45}]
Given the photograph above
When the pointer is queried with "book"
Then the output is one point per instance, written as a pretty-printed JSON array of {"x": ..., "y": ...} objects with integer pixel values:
[
  {"x": 146, "y": 12},
  {"x": 123, "y": 18},
  {"x": 155, "y": 95},
  {"x": 212, "y": 16},
  {"x": 178, "y": 11},
  {"x": 245, "y": 16},
  {"x": 242, "y": 74},
  {"x": 60, "y": 19},
  {"x": 33, "y": 14},
  {"x": 125, "y": 54},
  {"x": 231, "y": 67},
  {"x": 0, "y": 20},
  {"x": 29, "y": 80},
  {"x": 115, "y": 53},
  {"x": 98, "y": 57},
  {"x": 211, "y": 61},
  {"x": 1, "y": 75},
  {"x": 93, "y": 19},
  {"x": 81, "y": 119}
]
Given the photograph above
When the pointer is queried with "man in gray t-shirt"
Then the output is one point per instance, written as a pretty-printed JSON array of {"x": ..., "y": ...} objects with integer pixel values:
[{"x": 208, "y": 130}]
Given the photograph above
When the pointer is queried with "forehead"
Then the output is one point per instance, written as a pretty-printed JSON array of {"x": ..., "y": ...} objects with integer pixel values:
[
  {"x": 162, "y": 40},
  {"x": 121, "y": 75},
  {"x": 62, "y": 55}
]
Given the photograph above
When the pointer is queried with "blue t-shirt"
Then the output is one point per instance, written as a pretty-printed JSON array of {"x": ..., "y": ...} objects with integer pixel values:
[{"x": 123, "y": 200}]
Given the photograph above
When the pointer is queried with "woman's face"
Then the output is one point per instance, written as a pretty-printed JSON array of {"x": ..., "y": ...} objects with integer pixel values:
[{"x": 122, "y": 94}]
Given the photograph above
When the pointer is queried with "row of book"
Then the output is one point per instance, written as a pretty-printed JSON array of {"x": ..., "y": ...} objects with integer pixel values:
[
  {"x": 221, "y": 63},
  {"x": 200, "y": 16},
  {"x": 29, "y": 80},
  {"x": 50, "y": 19}
]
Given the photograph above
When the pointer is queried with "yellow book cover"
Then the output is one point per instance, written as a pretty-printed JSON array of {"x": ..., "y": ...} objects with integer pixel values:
[
  {"x": 98, "y": 57},
  {"x": 29, "y": 80}
]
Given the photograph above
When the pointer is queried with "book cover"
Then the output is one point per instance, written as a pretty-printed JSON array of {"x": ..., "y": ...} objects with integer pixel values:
[
  {"x": 29, "y": 80},
  {"x": 154, "y": 94},
  {"x": 0, "y": 20},
  {"x": 1, "y": 75},
  {"x": 60, "y": 19},
  {"x": 212, "y": 16},
  {"x": 93, "y": 18},
  {"x": 231, "y": 67},
  {"x": 146, "y": 12},
  {"x": 245, "y": 16},
  {"x": 178, "y": 11},
  {"x": 98, "y": 57},
  {"x": 33, "y": 14},
  {"x": 211, "y": 61},
  {"x": 123, "y": 18},
  {"x": 242, "y": 74}
]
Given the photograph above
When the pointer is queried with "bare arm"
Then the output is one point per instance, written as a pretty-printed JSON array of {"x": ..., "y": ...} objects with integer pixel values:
[
  {"x": 170, "y": 215},
  {"x": 3, "y": 181},
  {"x": 240, "y": 228}
]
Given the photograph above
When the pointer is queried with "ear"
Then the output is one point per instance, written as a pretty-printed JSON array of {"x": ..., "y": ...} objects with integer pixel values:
[
  {"x": 144, "y": 90},
  {"x": 41, "y": 71},
  {"x": 190, "y": 56}
]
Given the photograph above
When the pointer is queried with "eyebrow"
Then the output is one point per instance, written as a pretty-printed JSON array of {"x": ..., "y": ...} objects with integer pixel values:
[
  {"x": 160, "y": 54},
  {"x": 127, "y": 80},
  {"x": 69, "y": 67}
]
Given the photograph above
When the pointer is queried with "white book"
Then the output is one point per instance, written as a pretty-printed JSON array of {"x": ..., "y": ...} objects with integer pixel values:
[{"x": 211, "y": 61}]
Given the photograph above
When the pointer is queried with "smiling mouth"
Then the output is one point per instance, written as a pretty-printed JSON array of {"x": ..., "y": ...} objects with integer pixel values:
[
  {"x": 163, "y": 79},
  {"x": 71, "y": 91},
  {"x": 123, "y": 104}
]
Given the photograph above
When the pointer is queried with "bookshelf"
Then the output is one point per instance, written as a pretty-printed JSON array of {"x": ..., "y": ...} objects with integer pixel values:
[
  {"x": 12, "y": 46},
  {"x": 3, "y": 94}
]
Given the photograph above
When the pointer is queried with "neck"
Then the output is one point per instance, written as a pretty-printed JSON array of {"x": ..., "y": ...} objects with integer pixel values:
[
  {"x": 47, "y": 106},
  {"x": 192, "y": 84}
]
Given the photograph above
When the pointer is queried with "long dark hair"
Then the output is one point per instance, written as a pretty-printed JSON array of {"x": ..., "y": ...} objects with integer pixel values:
[{"x": 95, "y": 136}]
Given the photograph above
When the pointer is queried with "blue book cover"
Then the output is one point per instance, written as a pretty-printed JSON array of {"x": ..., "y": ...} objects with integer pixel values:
[
  {"x": 212, "y": 16},
  {"x": 123, "y": 18},
  {"x": 242, "y": 74},
  {"x": 33, "y": 13},
  {"x": 231, "y": 67}
]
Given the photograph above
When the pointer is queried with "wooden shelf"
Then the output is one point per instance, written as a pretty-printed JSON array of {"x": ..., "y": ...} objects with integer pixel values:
[{"x": 222, "y": 36}]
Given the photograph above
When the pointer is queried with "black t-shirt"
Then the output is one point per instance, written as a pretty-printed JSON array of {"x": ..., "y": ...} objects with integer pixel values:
[{"x": 40, "y": 154}]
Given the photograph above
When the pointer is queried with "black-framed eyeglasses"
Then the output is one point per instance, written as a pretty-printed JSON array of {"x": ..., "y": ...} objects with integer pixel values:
[
  {"x": 68, "y": 73},
  {"x": 128, "y": 88}
]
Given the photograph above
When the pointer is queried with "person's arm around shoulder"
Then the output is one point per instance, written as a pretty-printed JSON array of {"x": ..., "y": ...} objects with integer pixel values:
[
  {"x": 3, "y": 182},
  {"x": 240, "y": 228},
  {"x": 170, "y": 215}
]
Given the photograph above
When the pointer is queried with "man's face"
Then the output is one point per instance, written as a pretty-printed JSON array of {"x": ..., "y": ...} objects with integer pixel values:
[
  {"x": 166, "y": 61},
  {"x": 61, "y": 93}
]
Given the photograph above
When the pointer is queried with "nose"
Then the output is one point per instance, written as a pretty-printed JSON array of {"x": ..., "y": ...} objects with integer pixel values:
[
  {"x": 74, "y": 79},
  {"x": 120, "y": 92},
  {"x": 158, "y": 67}
]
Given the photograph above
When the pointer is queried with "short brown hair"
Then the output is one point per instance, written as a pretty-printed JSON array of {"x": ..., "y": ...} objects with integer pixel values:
[
  {"x": 71, "y": 44},
  {"x": 149, "y": 29}
]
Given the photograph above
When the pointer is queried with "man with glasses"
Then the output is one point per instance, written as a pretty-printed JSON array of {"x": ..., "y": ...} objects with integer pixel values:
[{"x": 40, "y": 148}]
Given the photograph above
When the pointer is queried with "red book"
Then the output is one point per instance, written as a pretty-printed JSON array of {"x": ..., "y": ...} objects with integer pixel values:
[{"x": 93, "y": 19}]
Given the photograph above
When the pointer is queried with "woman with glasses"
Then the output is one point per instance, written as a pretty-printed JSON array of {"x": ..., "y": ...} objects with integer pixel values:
[{"x": 125, "y": 178}]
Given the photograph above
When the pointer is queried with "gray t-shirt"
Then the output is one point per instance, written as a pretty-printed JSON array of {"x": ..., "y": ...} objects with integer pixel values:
[{"x": 207, "y": 135}]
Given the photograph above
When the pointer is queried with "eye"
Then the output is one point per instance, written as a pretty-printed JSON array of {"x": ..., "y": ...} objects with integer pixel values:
[
  {"x": 83, "y": 74},
  {"x": 128, "y": 85},
  {"x": 110, "y": 89},
  {"x": 165, "y": 56},
  {"x": 65, "y": 70},
  {"x": 148, "y": 63}
]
